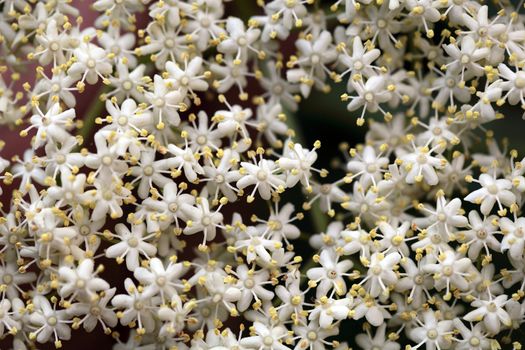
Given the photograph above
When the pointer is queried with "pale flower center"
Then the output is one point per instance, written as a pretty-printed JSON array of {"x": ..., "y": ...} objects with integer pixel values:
[
  {"x": 80, "y": 284},
  {"x": 448, "y": 271},
  {"x": 127, "y": 85},
  {"x": 133, "y": 242},
  {"x": 60, "y": 159},
  {"x": 148, "y": 170},
  {"x": 249, "y": 283},
  {"x": 268, "y": 340},
  {"x": 242, "y": 41},
  {"x": 173, "y": 207},
  {"x": 482, "y": 234},
  {"x": 107, "y": 160},
  {"x": 432, "y": 334},
  {"x": 7, "y": 278},
  {"x": 122, "y": 120},
  {"x": 219, "y": 178},
  {"x": 54, "y": 46},
  {"x": 381, "y": 24},
  {"x": 492, "y": 307},
  {"x": 493, "y": 189},
  {"x": 206, "y": 220},
  {"x": 52, "y": 321},
  {"x": 169, "y": 43},
  {"x": 371, "y": 168},
  {"x": 421, "y": 158},
  {"x": 84, "y": 230},
  {"x": 519, "y": 82},
  {"x": 325, "y": 189},
  {"x": 201, "y": 140},
  {"x": 55, "y": 88},
  {"x": 91, "y": 63},
  {"x": 261, "y": 175},
  {"x": 278, "y": 89},
  {"x": 95, "y": 311}
]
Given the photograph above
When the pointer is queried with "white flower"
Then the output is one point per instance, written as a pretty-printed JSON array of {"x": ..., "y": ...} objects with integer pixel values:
[
  {"x": 49, "y": 322},
  {"x": 331, "y": 274},
  {"x": 157, "y": 278},
  {"x": 96, "y": 311},
  {"x": 164, "y": 102},
  {"x": 7, "y": 321},
  {"x": 435, "y": 334},
  {"x": 256, "y": 245},
  {"x": 492, "y": 191},
  {"x": 187, "y": 80},
  {"x": 481, "y": 234},
  {"x": 202, "y": 219},
  {"x": 108, "y": 197},
  {"x": 251, "y": 285},
  {"x": 447, "y": 216},
  {"x": 53, "y": 44},
  {"x": 298, "y": 161},
  {"x": 514, "y": 84},
  {"x": 328, "y": 310},
  {"x": 394, "y": 238},
  {"x": 513, "y": 239},
  {"x": 467, "y": 57},
  {"x": 290, "y": 12},
  {"x": 149, "y": 172},
  {"x": 312, "y": 64},
  {"x": 51, "y": 126},
  {"x": 186, "y": 160},
  {"x": 119, "y": 46},
  {"x": 381, "y": 275},
  {"x": 481, "y": 26},
  {"x": 132, "y": 244},
  {"x": 166, "y": 209},
  {"x": 263, "y": 176},
  {"x": 473, "y": 337},
  {"x": 240, "y": 40},
  {"x": 136, "y": 306},
  {"x": 370, "y": 95},
  {"x": 378, "y": 341},
  {"x": 12, "y": 280},
  {"x": 374, "y": 313},
  {"x": 367, "y": 166},
  {"x": 491, "y": 312},
  {"x": 360, "y": 62},
  {"x": 421, "y": 165},
  {"x": 81, "y": 282},
  {"x": 91, "y": 63},
  {"x": 267, "y": 338},
  {"x": 310, "y": 336},
  {"x": 449, "y": 272}
]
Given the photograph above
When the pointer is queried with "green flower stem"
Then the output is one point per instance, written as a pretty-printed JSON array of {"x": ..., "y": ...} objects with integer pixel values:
[
  {"x": 94, "y": 111},
  {"x": 318, "y": 218}
]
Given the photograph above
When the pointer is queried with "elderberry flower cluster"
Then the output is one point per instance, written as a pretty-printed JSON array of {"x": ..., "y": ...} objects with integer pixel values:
[{"x": 178, "y": 209}]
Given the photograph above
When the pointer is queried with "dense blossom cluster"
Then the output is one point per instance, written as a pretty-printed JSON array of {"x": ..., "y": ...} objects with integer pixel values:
[{"x": 424, "y": 245}]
